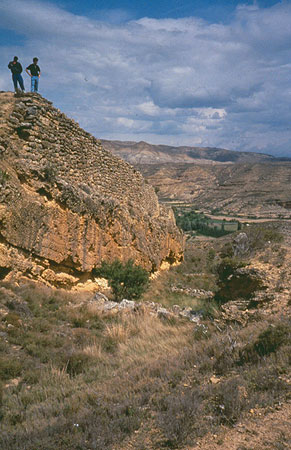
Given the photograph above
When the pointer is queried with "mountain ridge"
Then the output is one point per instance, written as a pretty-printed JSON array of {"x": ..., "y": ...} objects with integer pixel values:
[
  {"x": 143, "y": 152},
  {"x": 235, "y": 183}
]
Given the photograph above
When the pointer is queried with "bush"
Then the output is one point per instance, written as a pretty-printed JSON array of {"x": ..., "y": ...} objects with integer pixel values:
[
  {"x": 9, "y": 368},
  {"x": 126, "y": 280},
  {"x": 260, "y": 235},
  {"x": 269, "y": 341},
  {"x": 230, "y": 401},
  {"x": 77, "y": 363},
  {"x": 227, "y": 267},
  {"x": 230, "y": 287},
  {"x": 179, "y": 416}
]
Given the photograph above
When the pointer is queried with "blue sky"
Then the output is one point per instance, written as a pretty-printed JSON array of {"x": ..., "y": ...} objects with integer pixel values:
[
  {"x": 207, "y": 73},
  {"x": 211, "y": 10}
]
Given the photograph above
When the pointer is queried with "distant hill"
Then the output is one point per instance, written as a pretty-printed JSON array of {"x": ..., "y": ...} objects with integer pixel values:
[
  {"x": 144, "y": 153},
  {"x": 262, "y": 190},
  {"x": 213, "y": 179}
]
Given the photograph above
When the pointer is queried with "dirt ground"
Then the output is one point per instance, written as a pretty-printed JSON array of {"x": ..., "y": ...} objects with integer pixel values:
[{"x": 261, "y": 430}]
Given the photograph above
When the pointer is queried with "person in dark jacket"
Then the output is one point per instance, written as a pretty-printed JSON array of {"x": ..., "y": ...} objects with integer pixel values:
[
  {"x": 16, "y": 70},
  {"x": 34, "y": 72}
]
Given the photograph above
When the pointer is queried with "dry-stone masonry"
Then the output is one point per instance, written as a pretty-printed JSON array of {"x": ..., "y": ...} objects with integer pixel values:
[{"x": 66, "y": 204}]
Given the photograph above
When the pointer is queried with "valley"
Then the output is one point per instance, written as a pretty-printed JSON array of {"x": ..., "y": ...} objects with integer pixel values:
[
  {"x": 128, "y": 323},
  {"x": 219, "y": 182}
]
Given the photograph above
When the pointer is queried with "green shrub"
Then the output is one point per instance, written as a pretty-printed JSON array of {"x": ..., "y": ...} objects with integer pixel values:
[
  {"x": 227, "y": 267},
  {"x": 126, "y": 280},
  {"x": 9, "y": 368},
  {"x": 229, "y": 286},
  {"x": 179, "y": 415},
  {"x": 269, "y": 341},
  {"x": 12, "y": 319},
  {"x": 1, "y": 395},
  {"x": 77, "y": 363},
  {"x": 4, "y": 176},
  {"x": 229, "y": 401},
  {"x": 260, "y": 235}
]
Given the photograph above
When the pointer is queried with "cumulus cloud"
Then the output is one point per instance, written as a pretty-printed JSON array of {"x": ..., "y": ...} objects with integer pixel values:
[{"x": 172, "y": 81}]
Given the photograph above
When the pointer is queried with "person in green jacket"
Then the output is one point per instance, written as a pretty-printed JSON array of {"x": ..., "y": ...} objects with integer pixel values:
[{"x": 16, "y": 69}]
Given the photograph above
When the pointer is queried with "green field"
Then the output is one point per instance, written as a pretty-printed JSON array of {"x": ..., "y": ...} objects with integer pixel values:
[{"x": 193, "y": 222}]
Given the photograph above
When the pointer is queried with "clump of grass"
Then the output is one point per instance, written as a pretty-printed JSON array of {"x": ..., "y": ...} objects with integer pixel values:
[
  {"x": 268, "y": 341},
  {"x": 78, "y": 362},
  {"x": 229, "y": 400},
  {"x": 180, "y": 416},
  {"x": 12, "y": 319},
  {"x": 9, "y": 368}
]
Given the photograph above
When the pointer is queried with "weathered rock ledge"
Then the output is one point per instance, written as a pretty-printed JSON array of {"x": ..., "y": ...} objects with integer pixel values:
[{"x": 66, "y": 204}]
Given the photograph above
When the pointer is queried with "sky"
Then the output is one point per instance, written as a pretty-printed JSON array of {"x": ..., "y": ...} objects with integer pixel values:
[{"x": 178, "y": 72}]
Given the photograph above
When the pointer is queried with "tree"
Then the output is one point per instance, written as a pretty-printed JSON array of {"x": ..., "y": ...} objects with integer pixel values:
[{"x": 126, "y": 280}]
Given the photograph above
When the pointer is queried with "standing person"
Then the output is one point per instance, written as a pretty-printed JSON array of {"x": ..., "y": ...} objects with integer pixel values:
[
  {"x": 16, "y": 69},
  {"x": 34, "y": 72}
]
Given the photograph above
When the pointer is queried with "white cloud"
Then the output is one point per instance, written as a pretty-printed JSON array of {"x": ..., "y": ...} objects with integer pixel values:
[
  {"x": 149, "y": 108},
  {"x": 123, "y": 121},
  {"x": 174, "y": 81}
]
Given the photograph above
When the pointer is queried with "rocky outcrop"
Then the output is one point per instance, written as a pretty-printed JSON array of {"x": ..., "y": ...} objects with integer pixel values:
[
  {"x": 240, "y": 244},
  {"x": 66, "y": 204},
  {"x": 186, "y": 313}
]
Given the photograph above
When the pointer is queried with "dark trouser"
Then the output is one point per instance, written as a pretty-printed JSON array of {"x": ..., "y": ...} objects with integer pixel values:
[{"x": 16, "y": 77}]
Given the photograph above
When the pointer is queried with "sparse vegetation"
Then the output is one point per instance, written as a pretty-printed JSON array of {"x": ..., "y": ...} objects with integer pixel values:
[
  {"x": 74, "y": 377},
  {"x": 71, "y": 364},
  {"x": 262, "y": 235},
  {"x": 4, "y": 176}
]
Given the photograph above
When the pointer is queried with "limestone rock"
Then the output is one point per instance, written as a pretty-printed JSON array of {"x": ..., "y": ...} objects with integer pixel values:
[
  {"x": 100, "y": 298},
  {"x": 155, "y": 309},
  {"x": 59, "y": 279},
  {"x": 127, "y": 304},
  {"x": 66, "y": 204},
  {"x": 241, "y": 244}
]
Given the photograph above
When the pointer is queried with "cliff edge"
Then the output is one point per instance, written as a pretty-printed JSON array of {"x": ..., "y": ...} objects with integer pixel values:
[{"x": 66, "y": 203}]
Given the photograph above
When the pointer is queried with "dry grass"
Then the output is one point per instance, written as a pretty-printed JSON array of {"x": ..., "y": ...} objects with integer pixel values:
[{"x": 82, "y": 379}]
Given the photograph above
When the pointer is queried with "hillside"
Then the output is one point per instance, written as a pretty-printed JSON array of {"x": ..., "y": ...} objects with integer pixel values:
[
  {"x": 144, "y": 153},
  {"x": 67, "y": 203},
  {"x": 201, "y": 360},
  {"x": 224, "y": 181},
  {"x": 206, "y": 366},
  {"x": 262, "y": 190}
]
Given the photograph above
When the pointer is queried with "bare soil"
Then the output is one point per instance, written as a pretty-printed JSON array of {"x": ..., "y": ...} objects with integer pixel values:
[{"x": 260, "y": 430}]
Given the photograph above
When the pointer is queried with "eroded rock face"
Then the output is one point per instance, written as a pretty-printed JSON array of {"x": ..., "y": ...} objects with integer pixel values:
[{"x": 66, "y": 204}]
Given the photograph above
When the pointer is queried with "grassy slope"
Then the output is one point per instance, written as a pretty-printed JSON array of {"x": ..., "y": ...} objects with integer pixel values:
[{"x": 75, "y": 378}]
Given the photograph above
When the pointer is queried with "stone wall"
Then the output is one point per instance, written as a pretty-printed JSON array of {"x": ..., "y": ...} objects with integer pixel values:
[{"x": 66, "y": 203}]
